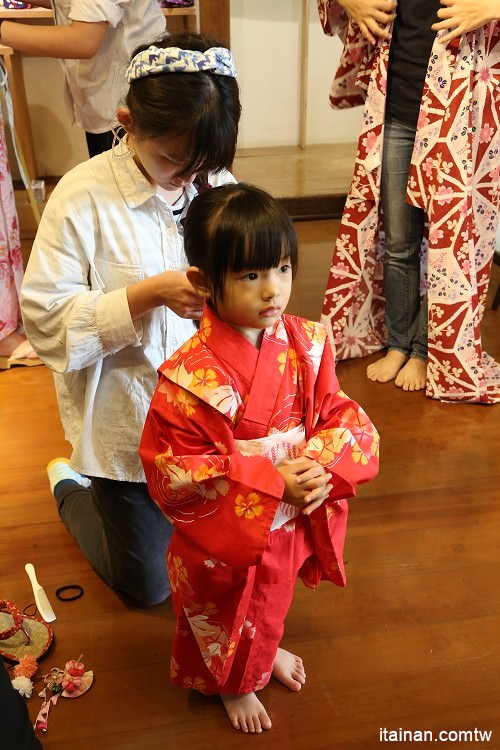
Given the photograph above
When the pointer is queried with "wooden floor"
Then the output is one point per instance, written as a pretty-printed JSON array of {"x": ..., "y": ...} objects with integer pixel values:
[
  {"x": 411, "y": 643},
  {"x": 290, "y": 171},
  {"x": 310, "y": 182}
]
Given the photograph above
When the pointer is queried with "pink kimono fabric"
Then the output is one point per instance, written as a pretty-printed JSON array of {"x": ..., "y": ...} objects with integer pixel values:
[
  {"x": 11, "y": 259},
  {"x": 454, "y": 177}
]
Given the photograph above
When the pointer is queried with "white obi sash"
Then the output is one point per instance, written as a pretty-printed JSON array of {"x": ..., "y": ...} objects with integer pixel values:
[{"x": 276, "y": 447}]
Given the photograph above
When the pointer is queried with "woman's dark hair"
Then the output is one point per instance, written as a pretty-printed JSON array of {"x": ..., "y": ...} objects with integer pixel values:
[
  {"x": 203, "y": 107},
  {"x": 236, "y": 227}
]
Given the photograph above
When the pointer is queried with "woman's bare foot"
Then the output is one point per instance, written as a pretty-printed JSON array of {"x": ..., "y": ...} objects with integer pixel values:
[
  {"x": 246, "y": 712},
  {"x": 413, "y": 375},
  {"x": 10, "y": 343},
  {"x": 387, "y": 368},
  {"x": 15, "y": 349},
  {"x": 289, "y": 669}
]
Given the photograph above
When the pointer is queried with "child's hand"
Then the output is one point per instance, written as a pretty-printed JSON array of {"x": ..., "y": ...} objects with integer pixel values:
[
  {"x": 306, "y": 483},
  {"x": 371, "y": 16}
]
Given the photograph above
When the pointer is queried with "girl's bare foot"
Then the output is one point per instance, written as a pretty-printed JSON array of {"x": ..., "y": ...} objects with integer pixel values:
[
  {"x": 413, "y": 375},
  {"x": 289, "y": 669},
  {"x": 387, "y": 368},
  {"x": 246, "y": 712}
]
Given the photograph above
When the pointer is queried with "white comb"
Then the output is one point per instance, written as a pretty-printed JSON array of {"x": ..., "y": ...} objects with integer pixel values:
[{"x": 41, "y": 599}]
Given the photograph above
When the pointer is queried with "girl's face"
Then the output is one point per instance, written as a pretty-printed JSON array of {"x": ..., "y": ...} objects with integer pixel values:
[
  {"x": 163, "y": 161},
  {"x": 253, "y": 300}
]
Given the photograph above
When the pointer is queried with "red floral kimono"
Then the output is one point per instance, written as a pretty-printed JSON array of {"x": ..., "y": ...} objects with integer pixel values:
[
  {"x": 455, "y": 177},
  {"x": 222, "y": 415}
]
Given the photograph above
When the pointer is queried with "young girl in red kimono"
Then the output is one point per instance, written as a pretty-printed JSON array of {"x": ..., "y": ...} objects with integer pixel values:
[{"x": 251, "y": 449}]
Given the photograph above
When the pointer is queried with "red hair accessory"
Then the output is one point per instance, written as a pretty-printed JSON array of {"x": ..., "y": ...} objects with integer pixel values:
[{"x": 70, "y": 682}]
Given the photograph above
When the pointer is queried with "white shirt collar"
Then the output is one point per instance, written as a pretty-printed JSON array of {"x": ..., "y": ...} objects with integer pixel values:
[
  {"x": 133, "y": 185},
  {"x": 131, "y": 182}
]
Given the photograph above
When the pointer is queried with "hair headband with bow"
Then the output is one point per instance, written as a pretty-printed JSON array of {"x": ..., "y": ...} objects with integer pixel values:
[{"x": 156, "y": 60}]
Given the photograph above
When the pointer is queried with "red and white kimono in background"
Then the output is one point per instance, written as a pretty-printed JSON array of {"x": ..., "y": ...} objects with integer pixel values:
[
  {"x": 455, "y": 177},
  {"x": 223, "y": 412},
  {"x": 11, "y": 258}
]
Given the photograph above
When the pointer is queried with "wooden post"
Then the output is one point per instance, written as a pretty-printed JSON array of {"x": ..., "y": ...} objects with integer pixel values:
[
  {"x": 304, "y": 70},
  {"x": 14, "y": 66},
  {"x": 215, "y": 19}
]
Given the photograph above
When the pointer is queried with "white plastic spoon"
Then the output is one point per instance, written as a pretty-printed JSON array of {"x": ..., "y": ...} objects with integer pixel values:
[{"x": 42, "y": 602}]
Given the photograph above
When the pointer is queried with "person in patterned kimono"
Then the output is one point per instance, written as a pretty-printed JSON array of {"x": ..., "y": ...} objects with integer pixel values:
[
  {"x": 14, "y": 347},
  {"x": 251, "y": 449},
  {"x": 412, "y": 261}
]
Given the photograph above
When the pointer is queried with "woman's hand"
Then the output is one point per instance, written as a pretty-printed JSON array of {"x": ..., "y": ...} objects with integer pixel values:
[
  {"x": 306, "y": 483},
  {"x": 371, "y": 16},
  {"x": 465, "y": 15},
  {"x": 170, "y": 288},
  {"x": 178, "y": 294}
]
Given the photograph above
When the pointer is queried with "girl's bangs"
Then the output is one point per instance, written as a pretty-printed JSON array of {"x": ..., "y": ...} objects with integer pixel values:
[
  {"x": 261, "y": 250},
  {"x": 254, "y": 236}
]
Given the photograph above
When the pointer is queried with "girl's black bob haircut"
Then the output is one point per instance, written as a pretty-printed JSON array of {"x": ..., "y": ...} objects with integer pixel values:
[
  {"x": 202, "y": 107},
  {"x": 236, "y": 227}
]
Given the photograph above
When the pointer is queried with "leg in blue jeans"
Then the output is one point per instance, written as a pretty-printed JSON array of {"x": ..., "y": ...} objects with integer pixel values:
[
  {"x": 406, "y": 316},
  {"x": 122, "y": 533}
]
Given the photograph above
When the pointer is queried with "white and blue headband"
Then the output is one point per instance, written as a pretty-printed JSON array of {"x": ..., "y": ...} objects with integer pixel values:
[{"x": 156, "y": 60}]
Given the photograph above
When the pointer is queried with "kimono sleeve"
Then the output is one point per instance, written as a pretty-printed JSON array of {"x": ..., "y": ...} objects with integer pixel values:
[
  {"x": 333, "y": 18},
  {"x": 357, "y": 60},
  {"x": 223, "y": 501},
  {"x": 341, "y": 437}
]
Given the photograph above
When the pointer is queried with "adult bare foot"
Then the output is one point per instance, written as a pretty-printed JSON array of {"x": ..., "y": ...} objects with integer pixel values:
[
  {"x": 387, "y": 368},
  {"x": 15, "y": 349},
  {"x": 289, "y": 669},
  {"x": 246, "y": 712},
  {"x": 413, "y": 375},
  {"x": 10, "y": 343}
]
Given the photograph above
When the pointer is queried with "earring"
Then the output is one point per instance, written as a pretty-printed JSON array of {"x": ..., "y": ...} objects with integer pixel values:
[{"x": 120, "y": 147}]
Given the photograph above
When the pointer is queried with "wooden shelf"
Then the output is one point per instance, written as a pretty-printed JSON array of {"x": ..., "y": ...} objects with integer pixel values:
[
  {"x": 28, "y": 14},
  {"x": 32, "y": 14},
  {"x": 180, "y": 11}
]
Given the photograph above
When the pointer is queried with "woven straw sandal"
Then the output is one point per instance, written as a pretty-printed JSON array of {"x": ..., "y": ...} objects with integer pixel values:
[{"x": 22, "y": 635}]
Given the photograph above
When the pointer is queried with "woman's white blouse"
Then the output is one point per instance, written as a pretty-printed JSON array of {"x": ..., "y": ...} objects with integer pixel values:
[{"x": 104, "y": 228}]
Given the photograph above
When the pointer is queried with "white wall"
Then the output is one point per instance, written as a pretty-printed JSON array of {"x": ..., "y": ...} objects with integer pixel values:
[{"x": 266, "y": 43}]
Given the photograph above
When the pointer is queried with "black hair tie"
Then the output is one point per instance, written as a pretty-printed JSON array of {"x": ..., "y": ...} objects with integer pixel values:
[{"x": 64, "y": 592}]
